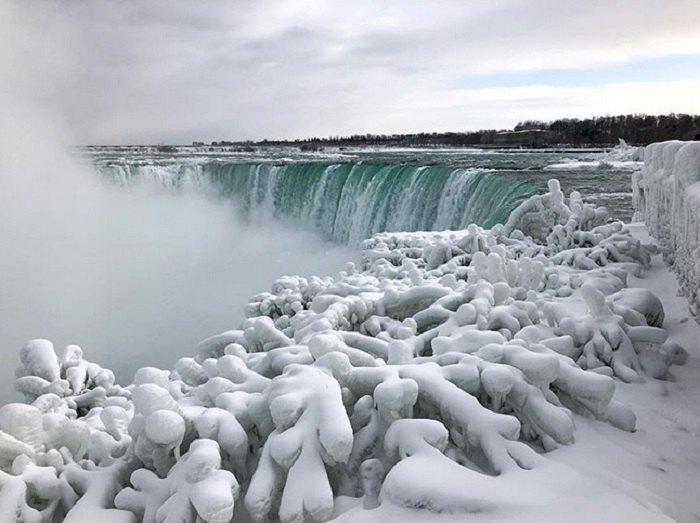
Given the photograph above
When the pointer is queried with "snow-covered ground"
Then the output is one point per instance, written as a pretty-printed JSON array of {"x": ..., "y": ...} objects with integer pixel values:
[{"x": 660, "y": 462}]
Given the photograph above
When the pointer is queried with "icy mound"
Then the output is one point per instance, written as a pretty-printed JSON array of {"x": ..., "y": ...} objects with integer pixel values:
[
  {"x": 570, "y": 164},
  {"x": 625, "y": 153},
  {"x": 428, "y": 379},
  {"x": 666, "y": 195},
  {"x": 622, "y": 157}
]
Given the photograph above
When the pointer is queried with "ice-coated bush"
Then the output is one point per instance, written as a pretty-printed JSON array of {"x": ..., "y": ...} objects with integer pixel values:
[{"x": 468, "y": 349}]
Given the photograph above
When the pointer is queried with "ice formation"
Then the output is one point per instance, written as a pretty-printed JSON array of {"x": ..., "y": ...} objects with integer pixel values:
[
  {"x": 622, "y": 157},
  {"x": 666, "y": 195},
  {"x": 465, "y": 352}
]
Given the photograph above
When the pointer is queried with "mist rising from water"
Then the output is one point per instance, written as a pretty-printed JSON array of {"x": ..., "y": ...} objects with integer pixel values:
[{"x": 135, "y": 278}]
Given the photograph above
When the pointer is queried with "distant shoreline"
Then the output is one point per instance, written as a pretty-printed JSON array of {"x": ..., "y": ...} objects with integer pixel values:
[
  {"x": 243, "y": 146},
  {"x": 601, "y": 132}
]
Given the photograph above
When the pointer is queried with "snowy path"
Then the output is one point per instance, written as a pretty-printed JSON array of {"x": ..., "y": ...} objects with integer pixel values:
[{"x": 660, "y": 462}]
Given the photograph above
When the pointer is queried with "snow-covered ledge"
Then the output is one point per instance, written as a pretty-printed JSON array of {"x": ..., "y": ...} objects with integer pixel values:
[{"x": 666, "y": 195}]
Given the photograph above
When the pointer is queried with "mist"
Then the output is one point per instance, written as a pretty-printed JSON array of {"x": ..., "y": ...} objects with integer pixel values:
[{"x": 134, "y": 277}]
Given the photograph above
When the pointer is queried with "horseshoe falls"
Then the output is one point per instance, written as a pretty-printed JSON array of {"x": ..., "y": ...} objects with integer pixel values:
[
  {"x": 187, "y": 223},
  {"x": 344, "y": 202},
  {"x": 172, "y": 232}
]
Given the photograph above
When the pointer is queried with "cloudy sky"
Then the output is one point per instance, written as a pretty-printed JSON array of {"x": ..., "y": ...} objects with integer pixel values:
[{"x": 176, "y": 71}]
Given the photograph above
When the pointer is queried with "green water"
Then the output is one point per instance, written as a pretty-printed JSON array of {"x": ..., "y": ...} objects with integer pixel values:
[{"x": 346, "y": 202}]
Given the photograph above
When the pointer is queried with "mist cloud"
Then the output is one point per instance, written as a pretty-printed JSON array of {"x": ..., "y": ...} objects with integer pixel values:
[{"x": 134, "y": 276}]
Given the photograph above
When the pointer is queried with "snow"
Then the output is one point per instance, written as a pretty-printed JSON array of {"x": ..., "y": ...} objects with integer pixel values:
[
  {"x": 431, "y": 487},
  {"x": 570, "y": 164},
  {"x": 666, "y": 195},
  {"x": 622, "y": 157},
  {"x": 658, "y": 461},
  {"x": 507, "y": 374}
]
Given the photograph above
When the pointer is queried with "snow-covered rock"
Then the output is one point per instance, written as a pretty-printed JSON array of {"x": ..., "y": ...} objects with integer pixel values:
[{"x": 458, "y": 354}]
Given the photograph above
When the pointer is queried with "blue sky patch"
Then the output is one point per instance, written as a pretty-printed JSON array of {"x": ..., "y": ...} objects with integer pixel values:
[{"x": 666, "y": 68}]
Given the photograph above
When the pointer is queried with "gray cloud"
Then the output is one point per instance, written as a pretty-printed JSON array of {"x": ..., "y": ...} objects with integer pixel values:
[{"x": 177, "y": 71}]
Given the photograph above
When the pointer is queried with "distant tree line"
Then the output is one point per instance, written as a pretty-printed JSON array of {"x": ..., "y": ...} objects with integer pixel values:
[{"x": 637, "y": 129}]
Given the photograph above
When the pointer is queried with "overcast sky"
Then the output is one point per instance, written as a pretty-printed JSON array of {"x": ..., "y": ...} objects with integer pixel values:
[{"x": 177, "y": 71}]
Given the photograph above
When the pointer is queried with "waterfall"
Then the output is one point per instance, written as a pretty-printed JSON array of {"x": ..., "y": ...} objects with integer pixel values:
[{"x": 344, "y": 202}]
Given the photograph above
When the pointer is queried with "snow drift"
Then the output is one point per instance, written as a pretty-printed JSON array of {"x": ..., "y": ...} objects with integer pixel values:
[
  {"x": 666, "y": 195},
  {"x": 448, "y": 359}
]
